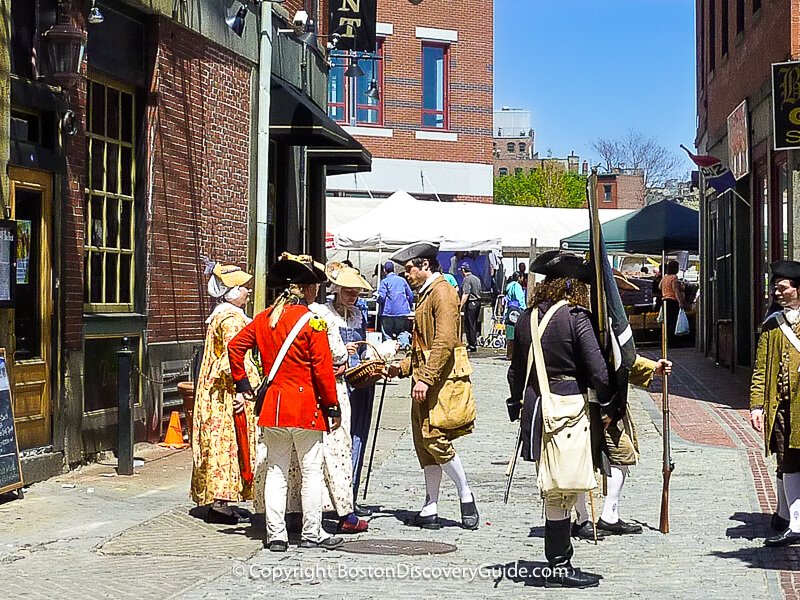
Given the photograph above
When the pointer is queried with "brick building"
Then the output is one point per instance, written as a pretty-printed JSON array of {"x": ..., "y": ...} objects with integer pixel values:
[
  {"x": 621, "y": 188},
  {"x": 122, "y": 175},
  {"x": 743, "y": 232},
  {"x": 430, "y": 129}
]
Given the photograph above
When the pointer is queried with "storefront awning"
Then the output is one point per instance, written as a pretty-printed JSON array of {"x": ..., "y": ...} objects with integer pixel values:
[{"x": 295, "y": 120}]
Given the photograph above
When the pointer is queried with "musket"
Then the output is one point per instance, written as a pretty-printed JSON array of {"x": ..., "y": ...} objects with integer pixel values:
[
  {"x": 667, "y": 465},
  {"x": 512, "y": 464}
]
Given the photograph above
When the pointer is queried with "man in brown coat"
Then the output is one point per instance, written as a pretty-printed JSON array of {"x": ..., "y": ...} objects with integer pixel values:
[{"x": 443, "y": 407}]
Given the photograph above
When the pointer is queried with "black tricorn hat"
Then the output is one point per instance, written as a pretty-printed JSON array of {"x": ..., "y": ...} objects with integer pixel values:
[
  {"x": 415, "y": 250},
  {"x": 289, "y": 269},
  {"x": 555, "y": 263},
  {"x": 785, "y": 269}
]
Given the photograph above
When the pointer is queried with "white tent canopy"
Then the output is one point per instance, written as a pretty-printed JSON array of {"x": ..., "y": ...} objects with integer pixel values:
[{"x": 401, "y": 219}]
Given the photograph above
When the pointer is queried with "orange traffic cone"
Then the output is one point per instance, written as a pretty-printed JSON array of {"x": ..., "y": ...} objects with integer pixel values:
[{"x": 174, "y": 437}]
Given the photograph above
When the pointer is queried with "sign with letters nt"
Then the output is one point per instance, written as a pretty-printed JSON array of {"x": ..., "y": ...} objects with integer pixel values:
[
  {"x": 355, "y": 22},
  {"x": 786, "y": 105},
  {"x": 10, "y": 471}
]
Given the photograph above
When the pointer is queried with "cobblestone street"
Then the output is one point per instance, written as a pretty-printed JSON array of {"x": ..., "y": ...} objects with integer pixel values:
[{"x": 95, "y": 535}]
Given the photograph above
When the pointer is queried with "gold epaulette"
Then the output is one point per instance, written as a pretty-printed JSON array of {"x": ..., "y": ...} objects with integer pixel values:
[{"x": 318, "y": 324}]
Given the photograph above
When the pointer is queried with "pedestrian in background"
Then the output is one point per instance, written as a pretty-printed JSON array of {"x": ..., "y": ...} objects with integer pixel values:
[
  {"x": 395, "y": 300},
  {"x": 515, "y": 304},
  {"x": 300, "y": 403},
  {"x": 471, "y": 305},
  {"x": 673, "y": 299},
  {"x": 523, "y": 276},
  {"x": 216, "y": 474}
]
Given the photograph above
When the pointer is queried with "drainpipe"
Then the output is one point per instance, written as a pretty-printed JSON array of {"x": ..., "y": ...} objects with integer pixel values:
[{"x": 262, "y": 154}]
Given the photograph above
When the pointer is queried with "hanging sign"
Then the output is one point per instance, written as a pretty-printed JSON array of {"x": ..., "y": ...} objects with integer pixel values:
[
  {"x": 10, "y": 470},
  {"x": 786, "y": 105},
  {"x": 739, "y": 141},
  {"x": 355, "y": 22}
]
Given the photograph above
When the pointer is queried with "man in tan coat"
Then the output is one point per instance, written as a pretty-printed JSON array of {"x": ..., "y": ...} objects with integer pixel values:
[
  {"x": 775, "y": 398},
  {"x": 443, "y": 407}
]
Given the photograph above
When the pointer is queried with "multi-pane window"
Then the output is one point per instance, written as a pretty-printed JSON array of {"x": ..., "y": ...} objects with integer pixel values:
[
  {"x": 510, "y": 147},
  {"x": 435, "y": 84},
  {"x": 348, "y": 99},
  {"x": 110, "y": 184},
  {"x": 522, "y": 146},
  {"x": 607, "y": 193}
]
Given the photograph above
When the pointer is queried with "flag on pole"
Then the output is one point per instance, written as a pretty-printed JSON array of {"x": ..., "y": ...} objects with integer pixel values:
[
  {"x": 717, "y": 175},
  {"x": 616, "y": 336}
]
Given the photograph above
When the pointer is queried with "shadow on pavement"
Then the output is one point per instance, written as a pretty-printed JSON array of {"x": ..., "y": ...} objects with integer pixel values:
[
  {"x": 405, "y": 515},
  {"x": 764, "y": 557},
  {"x": 754, "y": 525}
]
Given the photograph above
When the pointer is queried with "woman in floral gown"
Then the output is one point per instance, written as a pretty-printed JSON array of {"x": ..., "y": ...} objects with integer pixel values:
[{"x": 216, "y": 476}]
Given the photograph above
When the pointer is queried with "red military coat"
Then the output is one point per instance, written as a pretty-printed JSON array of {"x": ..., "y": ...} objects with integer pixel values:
[{"x": 304, "y": 386}]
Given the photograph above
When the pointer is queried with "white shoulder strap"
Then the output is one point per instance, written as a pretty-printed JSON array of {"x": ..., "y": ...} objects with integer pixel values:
[
  {"x": 787, "y": 331},
  {"x": 287, "y": 344},
  {"x": 537, "y": 330}
]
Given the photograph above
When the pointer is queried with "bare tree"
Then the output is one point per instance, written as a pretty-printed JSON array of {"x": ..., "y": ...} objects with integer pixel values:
[{"x": 636, "y": 150}]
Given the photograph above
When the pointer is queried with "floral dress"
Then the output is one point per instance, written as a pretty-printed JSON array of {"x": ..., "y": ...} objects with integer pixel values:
[
  {"x": 336, "y": 446},
  {"x": 215, "y": 458}
]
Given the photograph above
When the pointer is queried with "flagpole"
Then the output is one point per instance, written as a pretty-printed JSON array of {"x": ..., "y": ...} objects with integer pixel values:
[{"x": 594, "y": 216}]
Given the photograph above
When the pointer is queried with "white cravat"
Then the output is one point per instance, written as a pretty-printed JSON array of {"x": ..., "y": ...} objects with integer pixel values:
[{"x": 792, "y": 315}]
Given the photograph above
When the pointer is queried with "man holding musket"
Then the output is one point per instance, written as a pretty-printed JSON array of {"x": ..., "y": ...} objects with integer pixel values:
[
  {"x": 443, "y": 407},
  {"x": 775, "y": 398}
]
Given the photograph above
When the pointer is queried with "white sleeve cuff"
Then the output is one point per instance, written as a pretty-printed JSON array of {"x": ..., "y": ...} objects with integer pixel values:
[{"x": 757, "y": 411}]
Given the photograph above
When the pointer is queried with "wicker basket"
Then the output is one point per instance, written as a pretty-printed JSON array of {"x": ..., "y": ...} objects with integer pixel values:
[{"x": 367, "y": 372}]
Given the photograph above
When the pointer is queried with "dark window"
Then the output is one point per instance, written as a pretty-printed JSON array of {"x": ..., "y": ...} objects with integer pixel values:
[
  {"x": 606, "y": 193},
  {"x": 739, "y": 16},
  {"x": 510, "y": 146},
  {"x": 522, "y": 146},
  {"x": 518, "y": 171},
  {"x": 435, "y": 75},
  {"x": 756, "y": 5},
  {"x": 26, "y": 48},
  {"x": 712, "y": 35},
  {"x": 347, "y": 96},
  {"x": 503, "y": 171},
  {"x": 701, "y": 76},
  {"x": 724, "y": 35}
]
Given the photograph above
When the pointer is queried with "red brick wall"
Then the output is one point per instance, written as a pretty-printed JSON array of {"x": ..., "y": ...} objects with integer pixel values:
[
  {"x": 200, "y": 134},
  {"x": 471, "y": 81},
  {"x": 771, "y": 35},
  {"x": 602, "y": 182},
  {"x": 630, "y": 191},
  {"x": 74, "y": 217}
]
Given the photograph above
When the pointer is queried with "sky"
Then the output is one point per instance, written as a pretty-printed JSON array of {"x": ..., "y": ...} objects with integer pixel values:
[{"x": 587, "y": 69}]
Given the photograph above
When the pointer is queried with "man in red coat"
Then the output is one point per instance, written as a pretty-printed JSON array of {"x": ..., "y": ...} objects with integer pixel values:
[{"x": 298, "y": 403}]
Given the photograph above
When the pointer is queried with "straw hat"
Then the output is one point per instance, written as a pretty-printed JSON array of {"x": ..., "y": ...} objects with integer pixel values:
[
  {"x": 346, "y": 277},
  {"x": 231, "y": 276}
]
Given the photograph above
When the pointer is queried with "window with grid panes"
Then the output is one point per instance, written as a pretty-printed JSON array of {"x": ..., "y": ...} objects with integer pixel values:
[{"x": 110, "y": 182}]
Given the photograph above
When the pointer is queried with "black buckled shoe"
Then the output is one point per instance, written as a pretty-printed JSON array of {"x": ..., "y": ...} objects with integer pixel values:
[
  {"x": 469, "y": 514},
  {"x": 429, "y": 522},
  {"x": 563, "y": 574},
  {"x": 361, "y": 511},
  {"x": 618, "y": 528},
  {"x": 330, "y": 543},
  {"x": 585, "y": 531},
  {"x": 276, "y": 545},
  {"x": 778, "y": 523},
  {"x": 785, "y": 538},
  {"x": 221, "y": 514}
]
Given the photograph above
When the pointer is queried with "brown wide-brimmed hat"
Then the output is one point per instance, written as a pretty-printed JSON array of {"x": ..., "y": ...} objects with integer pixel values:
[{"x": 623, "y": 283}]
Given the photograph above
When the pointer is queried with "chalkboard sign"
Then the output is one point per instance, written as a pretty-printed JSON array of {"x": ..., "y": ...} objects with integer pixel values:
[{"x": 10, "y": 471}]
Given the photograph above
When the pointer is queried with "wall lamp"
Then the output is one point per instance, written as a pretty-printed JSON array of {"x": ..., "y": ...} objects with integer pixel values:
[
  {"x": 65, "y": 43},
  {"x": 95, "y": 16}
]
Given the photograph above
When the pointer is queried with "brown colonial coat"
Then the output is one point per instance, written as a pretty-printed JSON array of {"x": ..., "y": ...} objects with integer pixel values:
[{"x": 437, "y": 328}]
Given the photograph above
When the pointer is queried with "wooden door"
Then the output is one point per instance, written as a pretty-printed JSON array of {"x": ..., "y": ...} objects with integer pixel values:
[{"x": 31, "y": 320}]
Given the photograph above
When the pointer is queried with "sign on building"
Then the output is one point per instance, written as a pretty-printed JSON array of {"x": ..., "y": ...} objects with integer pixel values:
[
  {"x": 786, "y": 105},
  {"x": 354, "y": 21},
  {"x": 739, "y": 141}
]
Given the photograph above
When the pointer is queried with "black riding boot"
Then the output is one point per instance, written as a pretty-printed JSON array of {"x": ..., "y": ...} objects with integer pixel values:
[{"x": 558, "y": 551}]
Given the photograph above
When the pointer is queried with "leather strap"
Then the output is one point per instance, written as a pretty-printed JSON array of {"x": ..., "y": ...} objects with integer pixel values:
[
  {"x": 537, "y": 330},
  {"x": 287, "y": 343},
  {"x": 787, "y": 331}
]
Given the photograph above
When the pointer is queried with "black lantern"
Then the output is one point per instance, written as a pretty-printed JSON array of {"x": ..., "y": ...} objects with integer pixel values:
[{"x": 65, "y": 44}]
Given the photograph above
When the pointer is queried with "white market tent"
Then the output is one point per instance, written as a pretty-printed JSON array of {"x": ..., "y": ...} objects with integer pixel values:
[{"x": 401, "y": 219}]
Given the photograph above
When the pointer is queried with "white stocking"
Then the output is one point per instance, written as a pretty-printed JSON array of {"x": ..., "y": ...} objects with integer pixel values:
[
  {"x": 791, "y": 483},
  {"x": 611, "y": 506},
  {"x": 780, "y": 492},
  {"x": 580, "y": 508},
  {"x": 433, "y": 479},
  {"x": 455, "y": 471}
]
